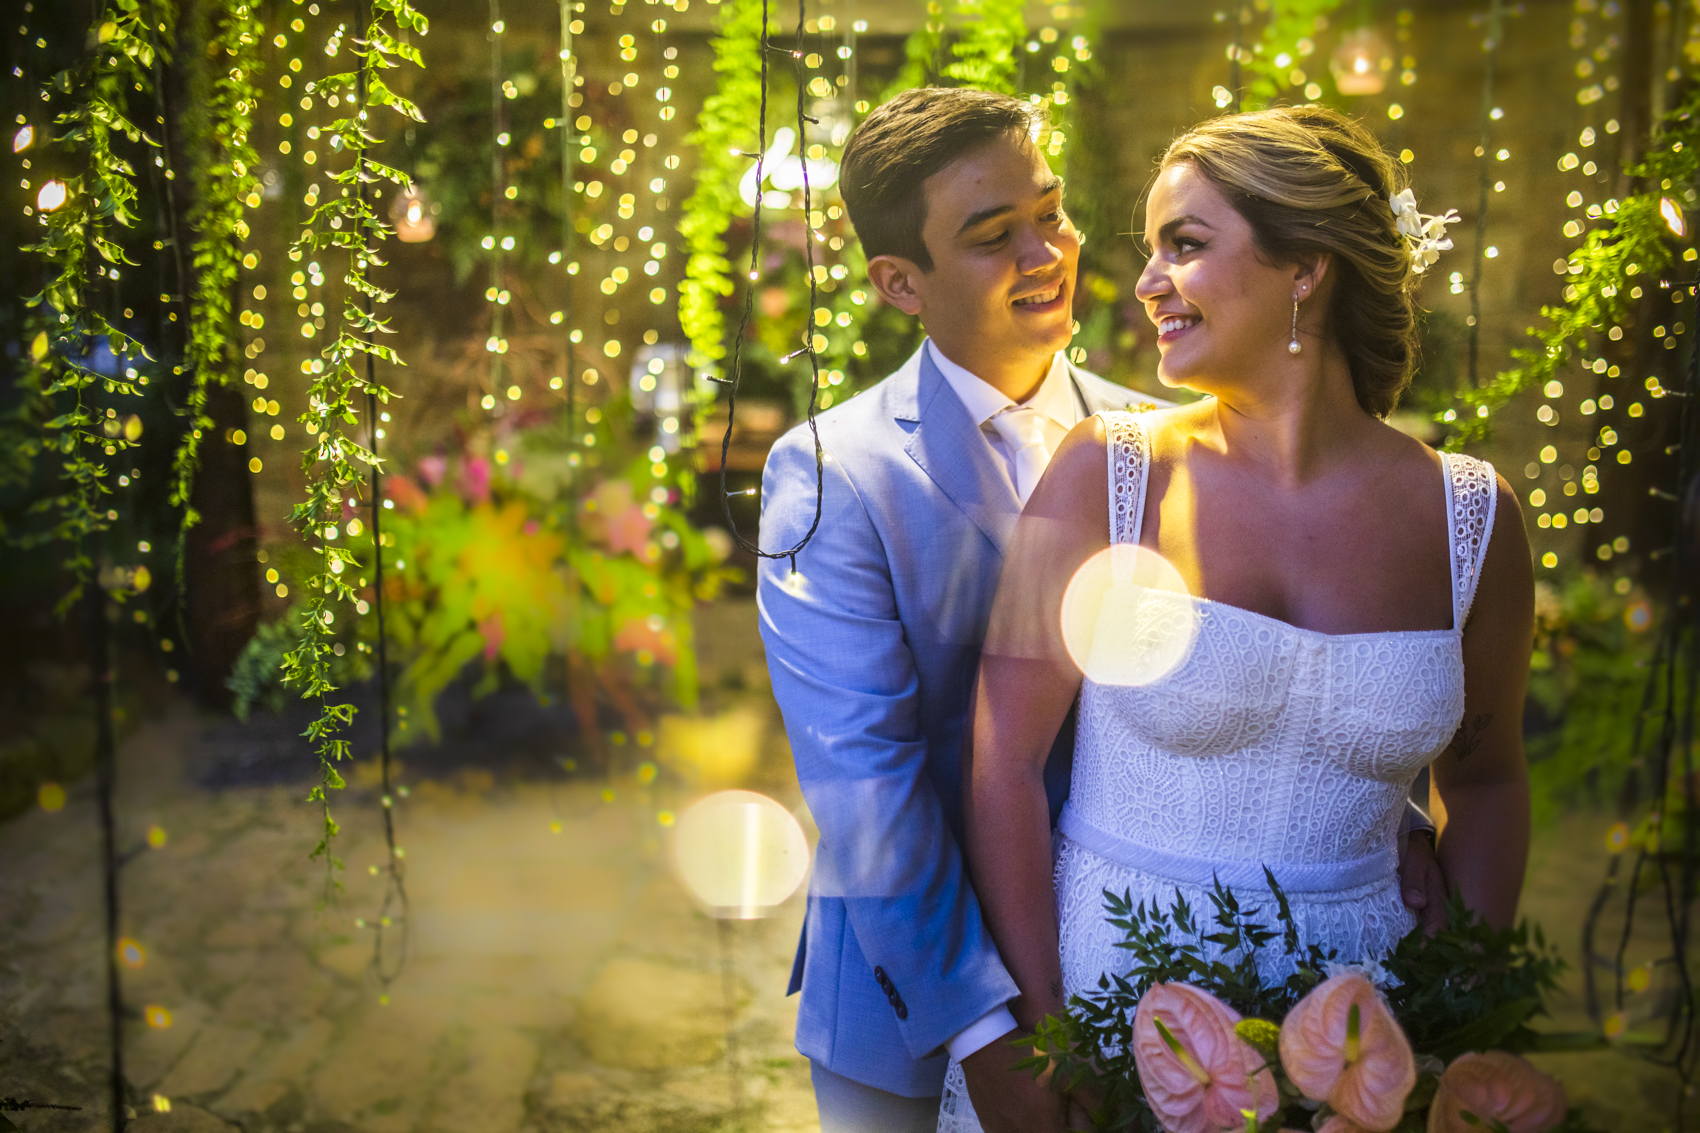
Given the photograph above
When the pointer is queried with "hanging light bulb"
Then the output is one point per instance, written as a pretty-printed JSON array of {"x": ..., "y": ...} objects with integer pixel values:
[
  {"x": 414, "y": 216},
  {"x": 1359, "y": 62},
  {"x": 23, "y": 139},
  {"x": 1672, "y": 213},
  {"x": 51, "y": 196}
]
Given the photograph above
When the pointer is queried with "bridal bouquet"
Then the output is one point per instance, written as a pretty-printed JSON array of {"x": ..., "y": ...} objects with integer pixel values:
[{"x": 1427, "y": 1040}]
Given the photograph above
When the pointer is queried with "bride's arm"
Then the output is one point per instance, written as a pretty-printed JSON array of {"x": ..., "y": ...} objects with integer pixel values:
[
  {"x": 1481, "y": 777},
  {"x": 1025, "y": 688}
]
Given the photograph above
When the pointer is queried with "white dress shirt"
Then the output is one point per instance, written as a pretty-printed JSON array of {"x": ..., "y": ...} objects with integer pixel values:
[{"x": 1055, "y": 399}]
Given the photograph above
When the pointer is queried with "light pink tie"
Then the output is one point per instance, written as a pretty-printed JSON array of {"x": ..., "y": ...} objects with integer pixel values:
[{"x": 1023, "y": 430}]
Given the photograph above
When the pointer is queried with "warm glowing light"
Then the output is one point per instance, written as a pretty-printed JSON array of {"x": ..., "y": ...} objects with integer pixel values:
[
  {"x": 739, "y": 853},
  {"x": 1127, "y": 618},
  {"x": 131, "y": 954},
  {"x": 1672, "y": 212},
  {"x": 158, "y": 1017},
  {"x": 1357, "y": 62},
  {"x": 412, "y": 213},
  {"x": 23, "y": 139},
  {"x": 51, "y": 796},
  {"x": 51, "y": 196}
]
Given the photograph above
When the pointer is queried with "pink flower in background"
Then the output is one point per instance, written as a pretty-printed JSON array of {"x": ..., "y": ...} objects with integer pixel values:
[
  {"x": 1340, "y": 1123},
  {"x": 648, "y": 635},
  {"x": 1198, "y": 1075},
  {"x": 624, "y": 525},
  {"x": 1495, "y": 1086},
  {"x": 407, "y": 495},
  {"x": 493, "y": 633},
  {"x": 475, "y": 480},
  {"x": 431, "y": 469},
  {"x": 628, "y": 530},
  {"x": 1340, "y": 1044}
]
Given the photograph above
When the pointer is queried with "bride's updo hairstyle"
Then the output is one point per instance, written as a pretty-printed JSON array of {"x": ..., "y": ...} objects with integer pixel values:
[{"x": 1309, "y": 180}]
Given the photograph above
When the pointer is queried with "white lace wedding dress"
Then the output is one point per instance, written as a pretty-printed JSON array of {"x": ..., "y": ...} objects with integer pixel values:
[{"x": 1268, "y": 745}]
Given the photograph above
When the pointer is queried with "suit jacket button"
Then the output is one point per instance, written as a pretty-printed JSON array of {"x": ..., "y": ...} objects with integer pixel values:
[
  {"x": 879, "y": 974},
  {"x": 902, "y": 1011}
]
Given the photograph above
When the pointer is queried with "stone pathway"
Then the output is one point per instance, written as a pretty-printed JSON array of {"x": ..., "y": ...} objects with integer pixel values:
[{"x": 560, "y": 978}]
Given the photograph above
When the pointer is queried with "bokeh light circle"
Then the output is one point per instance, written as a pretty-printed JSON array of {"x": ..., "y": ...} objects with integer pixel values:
[
  {"x": 1127, "y": 617},
  {"x": 739, "y": 853}
]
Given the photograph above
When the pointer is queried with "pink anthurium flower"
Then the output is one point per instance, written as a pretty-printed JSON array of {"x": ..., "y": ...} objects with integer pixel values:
[
  {"x": 1495, "y": 1086},
  {"x": 1341, "y": 1045},
  {"x": 1198, "y": 1075},
  {"x": 1340, "y": 1123}
]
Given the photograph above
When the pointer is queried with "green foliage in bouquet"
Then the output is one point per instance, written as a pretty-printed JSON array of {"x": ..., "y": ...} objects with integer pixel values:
[{"x": 1469, "y": 988}]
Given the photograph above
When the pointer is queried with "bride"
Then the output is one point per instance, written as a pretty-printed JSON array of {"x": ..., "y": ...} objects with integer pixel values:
[{"x": 1360, "y": 605}]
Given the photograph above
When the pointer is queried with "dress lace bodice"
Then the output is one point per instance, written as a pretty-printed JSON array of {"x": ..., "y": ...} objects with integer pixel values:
[{"x": 1267, "y": 745}]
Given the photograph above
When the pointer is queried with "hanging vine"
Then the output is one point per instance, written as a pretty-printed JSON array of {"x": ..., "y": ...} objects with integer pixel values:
[
  {"x": 346, "y": 221},
  {"x": 1286, "y": 39},
  {"x": 987, "y": 44},
  {"x": 721, "y": 133},
  {"x": 921, "y": 52},
  {"x": 222, "y": 165},
  {"x": 1634, "y": 241},
  {"x": 82, "y": 215}
]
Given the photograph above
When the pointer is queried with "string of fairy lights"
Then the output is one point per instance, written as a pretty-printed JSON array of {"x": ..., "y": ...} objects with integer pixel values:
[{"x": 1595, "y": 32}]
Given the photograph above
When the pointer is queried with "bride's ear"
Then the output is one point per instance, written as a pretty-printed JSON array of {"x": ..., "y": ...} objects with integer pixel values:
[
  {"x": 895, "y": 277},
  {"x": 1308, "y": 275}
]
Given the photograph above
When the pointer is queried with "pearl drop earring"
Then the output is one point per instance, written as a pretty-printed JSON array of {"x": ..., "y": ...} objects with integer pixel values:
[{"x": 1293, "y": 347}]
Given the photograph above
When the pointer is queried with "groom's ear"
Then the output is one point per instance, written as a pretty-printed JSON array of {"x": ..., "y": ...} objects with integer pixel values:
[{"x": 896, "y": 279}]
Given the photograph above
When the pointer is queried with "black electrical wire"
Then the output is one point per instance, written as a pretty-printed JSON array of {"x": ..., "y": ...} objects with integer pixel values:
[{"x": 807, "y": 348}]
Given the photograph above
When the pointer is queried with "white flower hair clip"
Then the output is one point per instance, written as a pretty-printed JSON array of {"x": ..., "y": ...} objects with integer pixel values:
[{"x": 1425, "y": 236}]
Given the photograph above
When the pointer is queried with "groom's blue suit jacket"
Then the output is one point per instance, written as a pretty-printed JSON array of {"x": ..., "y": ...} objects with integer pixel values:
[{"x": 873, "y": 645}]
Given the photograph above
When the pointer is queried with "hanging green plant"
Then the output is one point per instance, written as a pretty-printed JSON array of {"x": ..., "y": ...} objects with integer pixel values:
[
  {"x": 346, "y": 221},
  {"x": 988, "y": 42},
  {"x": 921, "y": 54},
  {"x": 1632, "y": 245},
  {"x": 1286, "y": 39},
  {"x": 225, "y": 95},
  {"x": 65, "y": 333},
  {"x": 722, "y": 132}
]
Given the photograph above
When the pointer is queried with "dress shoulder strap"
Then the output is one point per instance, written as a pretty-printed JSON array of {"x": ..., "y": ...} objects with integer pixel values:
[
  {"x": 1472, "y": 495},
  {"x": 1129, "y": 448}
]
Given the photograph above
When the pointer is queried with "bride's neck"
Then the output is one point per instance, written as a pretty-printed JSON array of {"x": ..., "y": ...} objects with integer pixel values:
[{"x": 1297, "y": 426}]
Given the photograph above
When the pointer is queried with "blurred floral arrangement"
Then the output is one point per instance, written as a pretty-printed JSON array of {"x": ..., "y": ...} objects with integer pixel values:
[
  {"x": 1587, "y": 680},
  {"x": 519, "y": 549},
  {"x": 1426, "y": 1040}
]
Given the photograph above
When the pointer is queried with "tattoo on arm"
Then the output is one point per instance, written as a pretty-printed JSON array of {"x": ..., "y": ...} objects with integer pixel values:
[{"x": 1469, "y": 736}]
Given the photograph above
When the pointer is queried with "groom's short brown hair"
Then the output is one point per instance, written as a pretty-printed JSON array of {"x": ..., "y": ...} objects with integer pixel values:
[{"x": 907, "y": 140}]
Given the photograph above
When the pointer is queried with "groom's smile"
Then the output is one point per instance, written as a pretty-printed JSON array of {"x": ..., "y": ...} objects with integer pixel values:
[{"x": 998, "y": 297}]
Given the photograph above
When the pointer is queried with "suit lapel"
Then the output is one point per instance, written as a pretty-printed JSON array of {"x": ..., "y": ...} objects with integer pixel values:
[
  {"x": 1098, "y": 396},
  {"x": 949, "y": 447}
]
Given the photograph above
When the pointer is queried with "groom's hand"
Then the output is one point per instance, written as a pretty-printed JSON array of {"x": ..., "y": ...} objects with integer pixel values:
[
  {"x": 1422, "y": 882},
  {"x": 1008, "y": 1099}
]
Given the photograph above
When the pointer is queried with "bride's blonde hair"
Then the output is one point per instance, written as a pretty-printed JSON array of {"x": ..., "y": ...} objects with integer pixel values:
[{"x": 1311, "y": 180}]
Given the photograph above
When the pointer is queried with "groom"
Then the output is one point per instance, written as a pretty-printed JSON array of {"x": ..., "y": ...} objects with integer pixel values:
[{"x": 874, "y": 640}]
